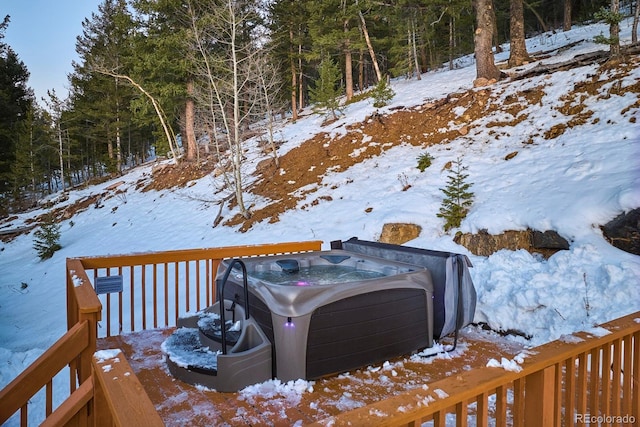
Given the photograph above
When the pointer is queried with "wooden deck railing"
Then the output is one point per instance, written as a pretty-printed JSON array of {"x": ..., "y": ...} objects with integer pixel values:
[
  {"x": 161, "y": 286},
  {"x": 177, "y": 282},
  {"x": 585, "y": 379}
]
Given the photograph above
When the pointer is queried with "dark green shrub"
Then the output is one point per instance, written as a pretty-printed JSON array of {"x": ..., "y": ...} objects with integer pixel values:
[
  {"x": 382, "y": 93},
  {"x": 424, "y": 161},
  {"x": 47, "y": 238}
]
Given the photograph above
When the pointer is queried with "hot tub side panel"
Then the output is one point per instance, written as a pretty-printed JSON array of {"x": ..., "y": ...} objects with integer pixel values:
[{"x": 367, "y": 328}]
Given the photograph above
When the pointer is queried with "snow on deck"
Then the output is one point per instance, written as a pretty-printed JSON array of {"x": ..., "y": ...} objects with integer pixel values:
[{"x": 300, "y": 402}]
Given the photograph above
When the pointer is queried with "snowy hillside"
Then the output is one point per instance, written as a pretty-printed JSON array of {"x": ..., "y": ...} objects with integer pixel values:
[{"x": 577, "y": 167}]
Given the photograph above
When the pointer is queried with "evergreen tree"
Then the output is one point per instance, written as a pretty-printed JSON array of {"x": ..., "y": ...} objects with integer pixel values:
[
  {"x": 15, "y": 101},
  {"x": 102, "y": 103},
  {"x": 333, "y": 25},
  {"x": 164, "y": 60},
  {"x": 613, "y": 17},
  {"x": 289, "y": 41},
  {"x": 382, "y": 94},
  {"x": 47, "y": 238},
  {"x": 325, "y": 92},
  {"x": 32, "y": 155},
  {"x": 458, "y": 198}
]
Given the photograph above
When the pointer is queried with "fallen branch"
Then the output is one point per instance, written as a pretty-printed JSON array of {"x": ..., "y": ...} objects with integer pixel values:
[
  {"x": 18, "y": 230},
  {"x": 597, "y": 57}
]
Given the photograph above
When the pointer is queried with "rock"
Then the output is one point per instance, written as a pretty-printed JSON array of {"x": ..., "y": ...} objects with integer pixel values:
[
  {"x": 548, "y": 240},
  {"x": 399, "y": 233},
  {"x": 623, "y": 231},
  {"x": 484, "y": 244},
  {"x": 483, "y": 81}
]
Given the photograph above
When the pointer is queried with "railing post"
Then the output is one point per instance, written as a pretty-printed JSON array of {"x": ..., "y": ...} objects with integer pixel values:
[
  {"x": 539, "y": 398},
  {"x": 84, "y": 368},
  {"x": 82, "y": 298}
]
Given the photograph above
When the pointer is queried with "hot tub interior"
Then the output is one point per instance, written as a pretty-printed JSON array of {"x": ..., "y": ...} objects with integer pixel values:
[{"x": 306, "y": 316}]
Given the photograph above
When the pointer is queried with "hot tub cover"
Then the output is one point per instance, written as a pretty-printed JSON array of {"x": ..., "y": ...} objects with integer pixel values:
[{"x": 454, "y": 295}]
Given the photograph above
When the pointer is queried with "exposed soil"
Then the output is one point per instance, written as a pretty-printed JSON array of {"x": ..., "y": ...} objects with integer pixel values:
[{"x": 429, "y": 124}]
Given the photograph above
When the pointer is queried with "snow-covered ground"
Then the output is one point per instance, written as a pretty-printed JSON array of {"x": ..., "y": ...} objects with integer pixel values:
[{"x": 571, "y": 184}]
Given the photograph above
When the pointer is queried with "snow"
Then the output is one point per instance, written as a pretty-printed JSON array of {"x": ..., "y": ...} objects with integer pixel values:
[
  {"x": 504, "y": 363},
  {"x": 102, "y": 355},
  {"x": 571, "y": 184}
]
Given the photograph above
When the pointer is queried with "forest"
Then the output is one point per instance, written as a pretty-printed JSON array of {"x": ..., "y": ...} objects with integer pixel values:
[{"x": 193, "y": 79}]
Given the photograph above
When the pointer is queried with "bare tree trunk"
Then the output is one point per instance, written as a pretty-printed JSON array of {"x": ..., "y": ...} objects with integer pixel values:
[
  {"x": 372, "y": 53},
  {"x": 485, "y": 65},
  {"x": 118, "y": 145},
  {"x": 518, "y": 54},
  {"x": 496, "y": 35},
  {"x": 415, "y": 50},
  {"x": 118, "y": 142},
  {"x": 294, "y": 83},
  {"x": 301, "y": 102},
  {"x": 566, "y": 25},
  {"x": 361, "y": 71},
  {"x": 61, "y": 152},
  {"x": 636, "y": 18},
  {"x": 236, "y": 149},
  {"x": 614, "y": 30},
  {"x": 409, "y": 52},
  {"x": 270, "y": 84},
  {"x": 161, "y": 116},
  {"x": 544, "y": 26},
  {"x": 451, "y": 40},
  {"x": 348, "y": 65},
  {"x": 189, "y": 119}
]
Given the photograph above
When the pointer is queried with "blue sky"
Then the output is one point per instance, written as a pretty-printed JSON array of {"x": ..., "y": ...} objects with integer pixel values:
[{"x": 43, "y": 34}]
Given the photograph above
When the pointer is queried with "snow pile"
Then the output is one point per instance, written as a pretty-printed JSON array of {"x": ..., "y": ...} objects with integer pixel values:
[{"x": 291, "y": 391}]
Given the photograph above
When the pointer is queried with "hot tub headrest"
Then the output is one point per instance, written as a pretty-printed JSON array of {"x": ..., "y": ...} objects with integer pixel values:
[{"x": 290, "y": 266}]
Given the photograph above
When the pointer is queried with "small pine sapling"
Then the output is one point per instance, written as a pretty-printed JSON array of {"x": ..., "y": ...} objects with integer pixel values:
[
  {"x": 424, "y": 161},
  {"x": 47, "y": 238},
  {"x": 382, "y": 93},
  {"x": 458, "y": 199},
  {"x": 325, "y": 93}
]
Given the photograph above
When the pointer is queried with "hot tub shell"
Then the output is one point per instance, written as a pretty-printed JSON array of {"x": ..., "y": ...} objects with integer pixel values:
[{"x": 323, "y": 329}]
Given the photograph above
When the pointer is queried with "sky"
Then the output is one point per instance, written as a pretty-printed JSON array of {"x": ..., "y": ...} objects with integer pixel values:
[
  {"x": 43, "y": 35},
  {"x": 572, "y": 183}
]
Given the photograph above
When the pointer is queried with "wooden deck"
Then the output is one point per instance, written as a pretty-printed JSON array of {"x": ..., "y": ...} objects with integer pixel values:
[{"x": 274, "y": 404}]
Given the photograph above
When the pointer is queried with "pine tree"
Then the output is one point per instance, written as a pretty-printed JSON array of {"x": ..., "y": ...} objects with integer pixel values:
[
  {"x": 15, "y": 100},
  {"x": 458, "y": 199},
  {"x": 382, "y": 93},
  {"x": 613, "y": 17},
  {"x": 325, "y": 93},
  {"x": 47, "y": 238}
]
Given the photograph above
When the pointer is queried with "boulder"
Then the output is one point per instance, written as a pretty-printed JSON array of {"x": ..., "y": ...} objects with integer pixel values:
[
  {"x": 398, "y": 233},
  {"x": 484, "y": 244},
  {"x": 548, "y": 240},
  {"x": 623, "y": 231}
]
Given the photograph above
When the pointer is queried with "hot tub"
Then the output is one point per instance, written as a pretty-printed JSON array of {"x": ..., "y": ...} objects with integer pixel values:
[{"x": 332, "y": 311}]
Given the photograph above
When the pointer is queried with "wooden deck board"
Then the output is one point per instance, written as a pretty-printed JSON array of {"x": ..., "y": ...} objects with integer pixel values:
[{"x": 267, "y": 404}]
